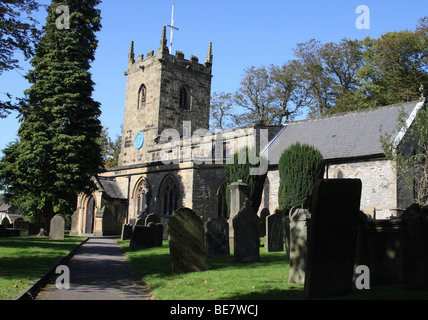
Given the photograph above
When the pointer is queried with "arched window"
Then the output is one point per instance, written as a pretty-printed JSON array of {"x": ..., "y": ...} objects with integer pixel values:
[
  {"x": 184, "y": 98},
  {"x": 339, "y": 174},
  {"x": 221, "y": 202},
  {"x": 142, "y": 97},
  {"x": 142, "y": 198},
  {"x": 168, "y": 196}
]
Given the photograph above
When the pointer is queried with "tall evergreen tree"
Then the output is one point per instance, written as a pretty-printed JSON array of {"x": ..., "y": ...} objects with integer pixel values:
[{"x": 58, "y": 151}]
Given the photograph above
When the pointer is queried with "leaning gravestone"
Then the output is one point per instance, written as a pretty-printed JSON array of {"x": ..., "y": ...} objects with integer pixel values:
[
  {"x": 218, "y": 238},
  {"x": 246, "y": 235},
  {"x": 57, "y": 227},
  {"x": 332, "y": 237},
  {"x": 126, "y": 232},
  {"x": 299, "y": 223},
  {"x": 187, "y": 243},
  {"x": 415, "y": 248},
  {"x": 274, "y": 240}
]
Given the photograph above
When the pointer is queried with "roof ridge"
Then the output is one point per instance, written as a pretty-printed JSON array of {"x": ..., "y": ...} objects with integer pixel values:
[{"x": 350, "y": 113}]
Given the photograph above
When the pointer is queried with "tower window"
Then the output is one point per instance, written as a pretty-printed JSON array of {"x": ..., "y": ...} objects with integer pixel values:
[
  {"x": 142, "y": 95},
  {"x": 184, "y": 98}
]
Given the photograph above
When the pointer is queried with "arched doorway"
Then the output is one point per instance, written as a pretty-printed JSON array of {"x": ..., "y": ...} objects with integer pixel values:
[{"x": 90, "y": 215}]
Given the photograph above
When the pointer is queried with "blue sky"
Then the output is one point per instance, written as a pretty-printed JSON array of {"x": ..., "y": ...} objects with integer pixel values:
[{"x": 243, "y": 33}]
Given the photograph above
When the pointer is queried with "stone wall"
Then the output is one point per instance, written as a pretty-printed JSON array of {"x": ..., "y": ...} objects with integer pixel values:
[{"x": 379, "y": 191}]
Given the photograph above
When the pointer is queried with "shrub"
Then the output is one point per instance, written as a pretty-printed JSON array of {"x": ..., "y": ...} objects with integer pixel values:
[
  {"x": 236, "y": 171},
  {"x": 299, "y": 167}
]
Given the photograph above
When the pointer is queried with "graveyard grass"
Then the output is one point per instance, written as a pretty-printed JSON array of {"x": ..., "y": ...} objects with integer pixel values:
[
  {"x": 227, "y": 280},
  {"x": 25, "y": 260},
  {"x": 224, "y": 280}
]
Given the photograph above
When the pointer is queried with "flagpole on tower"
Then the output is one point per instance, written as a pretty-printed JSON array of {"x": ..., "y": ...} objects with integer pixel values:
[{"x": 172, "y": 29}]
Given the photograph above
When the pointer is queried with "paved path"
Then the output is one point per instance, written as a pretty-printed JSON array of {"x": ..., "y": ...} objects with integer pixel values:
[{"x": 98, "y": 271}]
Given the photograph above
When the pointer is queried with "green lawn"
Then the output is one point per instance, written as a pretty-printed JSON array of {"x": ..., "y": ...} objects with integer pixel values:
[
  {"x": 25, "y": 260},
  {"x": 265, "y": 280}
]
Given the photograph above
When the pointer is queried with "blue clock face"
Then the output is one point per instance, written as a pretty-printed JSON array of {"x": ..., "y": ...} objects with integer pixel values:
[{"x": 139, "y": 140}]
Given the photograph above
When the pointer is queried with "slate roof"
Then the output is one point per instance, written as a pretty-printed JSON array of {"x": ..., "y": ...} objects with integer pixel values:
[
  {"x": 348, "y": 135},
  {"x": 110, "y": 186}
]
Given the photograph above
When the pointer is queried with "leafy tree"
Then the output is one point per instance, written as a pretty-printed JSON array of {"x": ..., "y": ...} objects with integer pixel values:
[
  {"x": 18, "y": 33},
  {"x": 410, "y": 155},
  {"x": 57, "y": 153},
  {"x": 221, "y": 111},
  {"x": 299, "y": 167},
  {"x": 236, "y": 171},
  {"x": 110, "y": 150}
]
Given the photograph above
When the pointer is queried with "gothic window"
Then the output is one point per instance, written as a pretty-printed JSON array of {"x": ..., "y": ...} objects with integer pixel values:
[
  {"x": 221, "y": 202},
  {"x": 184, "y": 98},
  {"x": 339, "y": 174},
  {"x": 142, "y": 199},
  {"x": 142, "y": 97},
  {"x": 169, "y": 196}
]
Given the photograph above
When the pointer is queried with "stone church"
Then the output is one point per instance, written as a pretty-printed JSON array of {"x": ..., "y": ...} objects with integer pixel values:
[{"x": 169, "y": 159}]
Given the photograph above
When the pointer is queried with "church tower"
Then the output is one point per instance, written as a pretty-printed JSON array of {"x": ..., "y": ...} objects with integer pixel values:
[{"x": 163, "y": 91}]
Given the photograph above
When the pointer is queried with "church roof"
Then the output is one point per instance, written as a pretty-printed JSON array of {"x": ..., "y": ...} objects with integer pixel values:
[
  {"x": 347, "y": 135},
  {"x": 110, "y": 186}
]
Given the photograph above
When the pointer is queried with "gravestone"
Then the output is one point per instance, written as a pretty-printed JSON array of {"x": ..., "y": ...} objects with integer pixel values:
[
  {"x": 286, "y": 233},
  {"x": 57, "y": 227},
  {"x": 246, "y": 236},
  {"x": 299, "y": 223},
  {"x": 23, "y": 226},
  {"x": 218, "y": 238},
  {"x": 332, "y": 237},
  {"x": 126, "y": 232},
  {"x": 157, "y": 232},
  {"x": 274, "y": 240},
  {"x": 149, "y": 236},
  {"x": 238, "y": 197},
  {"x": 140, "y": 222},
  {"x": 153, "y": 217},
  {"x": 263, "y": 214},
  {"x": 187, "y": 242},
  {"x": 415, "y": 248}
]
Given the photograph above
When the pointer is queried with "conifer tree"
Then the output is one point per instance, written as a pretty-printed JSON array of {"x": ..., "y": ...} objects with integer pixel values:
[{"x": 57, "y": 153}]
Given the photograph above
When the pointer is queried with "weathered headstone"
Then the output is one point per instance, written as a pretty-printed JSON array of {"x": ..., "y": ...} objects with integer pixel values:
[
  {"x": 149, "y": 236},
  {"x": 23, "y": 226},
  {"x": 263, "y": 214},
  {"x": 299, "y": 223},
  {"x": 274, "y": 240},
  {"x": 57, "y": 227},
  {"x": 187, "y": 242},
  {"x": 126, "y": 232},
  {"x": 140, "y": 237},
  {"x": 140, "y": 222},
  {"x": 332, "y": 237},
  {"x": 246, "y": 236},
  {"x": 153, "y": 217},
  {"x": 157, "y": 233},
  {"x": 218, "y": 238},
  {"x": 238, "y": 197},
  {"x": 415, "y": 248}
]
